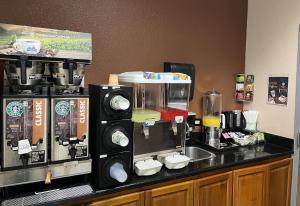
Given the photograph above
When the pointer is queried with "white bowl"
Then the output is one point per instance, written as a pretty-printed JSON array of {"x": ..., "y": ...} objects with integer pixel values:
[
  {"x": 147, "y": 167},
  {"x": 176, "y": 161}
]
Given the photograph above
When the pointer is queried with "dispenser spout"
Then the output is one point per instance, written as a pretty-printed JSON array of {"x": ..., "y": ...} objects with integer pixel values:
[
  {"x": 72, "y": 152},
  {"x": 23, "y": 60},
  {"x": 24, "y": 158},
  {"x": 146, "y": 127},
  {"x": 48, "y": 177},
  {"x": 174, "y": 127},
  {"x": 146, "y": 131}
]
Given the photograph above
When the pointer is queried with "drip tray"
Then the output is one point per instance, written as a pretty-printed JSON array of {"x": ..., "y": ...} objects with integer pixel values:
[
  {"x": 37, "y": 174},
  {"x": 49, "y": 196}
]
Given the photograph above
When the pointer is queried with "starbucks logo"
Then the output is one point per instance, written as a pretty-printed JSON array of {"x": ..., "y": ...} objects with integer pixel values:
[
  {"x": 62, "y": 108},
  {"x": 14, "y": 109}
]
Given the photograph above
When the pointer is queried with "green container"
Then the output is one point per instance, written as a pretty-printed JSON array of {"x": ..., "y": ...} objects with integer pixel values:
[
  {"x": 240, "y": 78},
  {"x": 143, "y": 115}
]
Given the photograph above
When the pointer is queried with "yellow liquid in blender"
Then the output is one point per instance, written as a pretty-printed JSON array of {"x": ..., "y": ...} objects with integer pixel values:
[{"x": 212, "y": 121}]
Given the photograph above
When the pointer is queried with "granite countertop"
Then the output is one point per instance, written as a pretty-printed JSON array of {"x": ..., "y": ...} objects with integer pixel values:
[{"x": 222, "y": 160}]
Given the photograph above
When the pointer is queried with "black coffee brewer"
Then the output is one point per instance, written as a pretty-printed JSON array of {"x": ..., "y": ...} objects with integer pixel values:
[{"x": 233, "y": 121}]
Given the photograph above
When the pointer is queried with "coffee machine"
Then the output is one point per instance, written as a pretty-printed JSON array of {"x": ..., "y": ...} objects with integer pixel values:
[
  {"x": 111, "y": 139},
  {"x": 24, "y": 115},
  {"x": 45, "y": 107},
  {"x": 69, "y": 112}
]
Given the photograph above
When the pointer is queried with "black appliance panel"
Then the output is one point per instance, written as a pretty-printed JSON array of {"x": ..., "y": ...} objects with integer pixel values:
[
  {"x": 188, "y": 69},
  {"x": 233, "y": 122}
]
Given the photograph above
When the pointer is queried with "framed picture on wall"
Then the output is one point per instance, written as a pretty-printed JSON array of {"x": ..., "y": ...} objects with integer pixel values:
[{"x": 278, "y": 90}]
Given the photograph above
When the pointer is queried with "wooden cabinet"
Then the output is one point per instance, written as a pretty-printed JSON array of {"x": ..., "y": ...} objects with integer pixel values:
[
  {"x": 213, "y": 190},
  {"x": 180, "y": 194},
  {"x": 279, "y": 183},
  {"x": 249, "y": 186},
  {"x": 133, "y": 199},
  {"x": 268, "y": 184}
]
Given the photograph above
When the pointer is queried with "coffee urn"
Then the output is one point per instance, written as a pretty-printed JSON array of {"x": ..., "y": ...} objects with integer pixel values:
[
  {"x": 24, "y": 115},
  {"x": 45, "y": 107},
  {"x": 69, "y": 113}
]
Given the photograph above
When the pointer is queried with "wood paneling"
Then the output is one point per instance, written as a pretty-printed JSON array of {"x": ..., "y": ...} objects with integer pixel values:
[
  {"x": 279, "y": 183},
  {"x": 213, "y": 190},
  {"x": 142, "y": 34},
  {"x": 174, "y": 195},
  {"x": 267, "y": 184},
  {"x": 249, "y": 186},
  {"x": 134, "y": 199}
]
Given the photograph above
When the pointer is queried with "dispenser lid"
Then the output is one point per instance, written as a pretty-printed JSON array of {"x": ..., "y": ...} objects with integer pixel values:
[{"x": 154, "y": 77}]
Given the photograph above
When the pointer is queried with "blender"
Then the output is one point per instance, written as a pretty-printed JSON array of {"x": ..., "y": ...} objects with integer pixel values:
[{"x": 212, "y": 107}]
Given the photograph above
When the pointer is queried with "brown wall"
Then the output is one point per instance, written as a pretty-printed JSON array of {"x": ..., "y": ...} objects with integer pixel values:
[{"x": 142, "y": 34}]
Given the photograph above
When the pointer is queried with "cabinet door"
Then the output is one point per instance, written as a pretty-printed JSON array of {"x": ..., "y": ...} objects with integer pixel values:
[
  {"x": 133, "y": 199},
  {"x": 213, "y": 190},
  {"x": 180, "y": 194},
  {"x": 279, "y": 183},
  {"x": 249, "y": 186}
]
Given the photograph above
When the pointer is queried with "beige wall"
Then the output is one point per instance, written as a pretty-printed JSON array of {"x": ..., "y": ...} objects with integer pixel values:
[
  {"x": 142, "y": 34},
  {"x": 271, "y": 49}
]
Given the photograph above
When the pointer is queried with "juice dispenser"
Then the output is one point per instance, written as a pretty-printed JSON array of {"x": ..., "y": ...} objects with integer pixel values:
[
  {"x": 212, "y": 107},
  {"x": 160, "y": 103}
]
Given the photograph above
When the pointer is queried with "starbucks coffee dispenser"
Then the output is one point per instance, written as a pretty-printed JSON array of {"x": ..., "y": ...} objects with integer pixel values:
[
  {"x": 45, "y": 107},
  {"x": 24, "y": 117},
  {"x": 69, "y": 113}
]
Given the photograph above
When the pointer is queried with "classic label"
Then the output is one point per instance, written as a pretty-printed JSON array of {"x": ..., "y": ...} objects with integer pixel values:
[
  {"x": 38, "y": 120},
  {"x": 82, "y": 111},
  {"x": 38, "y": 112},
  {"x": 82, "y": 107},
  {"x": 15, "y": 109}
]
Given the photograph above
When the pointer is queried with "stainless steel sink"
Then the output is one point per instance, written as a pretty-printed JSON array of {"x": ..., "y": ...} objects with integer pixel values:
[{"x": 197, "y": 154}]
